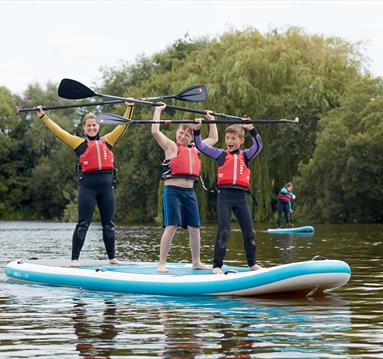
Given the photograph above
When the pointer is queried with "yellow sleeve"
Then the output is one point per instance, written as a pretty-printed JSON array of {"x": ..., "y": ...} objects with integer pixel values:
[
  {"x": 70, "y": 140},
  {"x": 112, "y": 137}
]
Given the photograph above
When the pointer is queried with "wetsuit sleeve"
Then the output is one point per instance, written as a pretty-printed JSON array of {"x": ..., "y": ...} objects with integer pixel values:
[
  {"x": 70, "y": 140},
  {"x": 206, "y": 149},
  {"x": 112, "y": 137},
  {"x": 257, "y": 146}
]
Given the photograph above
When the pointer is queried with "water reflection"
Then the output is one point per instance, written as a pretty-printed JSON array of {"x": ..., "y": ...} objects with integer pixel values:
[
  {"x": 288, "y": 244},
  {"x": 232, "y": 327},
  {"x": 182, "y": 339},
  {"x": 94, "y": 340},
  {"x": 112, "y": 325}
]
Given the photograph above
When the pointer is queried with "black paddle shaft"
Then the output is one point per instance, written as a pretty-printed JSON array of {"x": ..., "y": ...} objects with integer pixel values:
[
  {"x": 173, "y": 107},
  {"x": 196, "y": 93},
  {"x": 61, "y": 107},
  {"x": 112, "y": 119}
]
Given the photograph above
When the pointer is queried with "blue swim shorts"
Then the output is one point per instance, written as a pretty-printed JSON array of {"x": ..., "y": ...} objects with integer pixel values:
[{"x": 180, "y": 207}]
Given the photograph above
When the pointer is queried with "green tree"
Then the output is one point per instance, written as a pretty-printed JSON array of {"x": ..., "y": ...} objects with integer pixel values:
[
  {"x": 342, "y": 182},
  {"x": 275, "y": 75},
  {"x": 280, "y": 74}
]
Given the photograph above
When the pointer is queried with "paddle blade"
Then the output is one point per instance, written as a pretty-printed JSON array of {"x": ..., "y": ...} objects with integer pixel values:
[
  {"x": 196, "y": 93},
  {"x": 74, "y": 90},
  {"x": 111, "y": 119}
]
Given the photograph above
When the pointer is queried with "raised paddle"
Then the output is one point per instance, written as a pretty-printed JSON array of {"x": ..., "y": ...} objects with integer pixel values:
[
  {"x": 61, "y": 107},
  {"x": 111, "y": 119},
  {"x": 74, "y": 90},
  {"x": 195, "y": 93}
]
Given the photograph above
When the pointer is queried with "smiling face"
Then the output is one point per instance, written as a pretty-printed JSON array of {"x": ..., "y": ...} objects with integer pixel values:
[
  {"x": 90, "y": 126},
  {"x": 234, "y": 137},
  {"x": 184, "y": 135}
]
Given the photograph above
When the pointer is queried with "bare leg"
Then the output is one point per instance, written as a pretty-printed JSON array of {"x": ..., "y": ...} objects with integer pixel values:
[
  {"x": 195, "y": 246},
  {"x": 166, "y": 241}
]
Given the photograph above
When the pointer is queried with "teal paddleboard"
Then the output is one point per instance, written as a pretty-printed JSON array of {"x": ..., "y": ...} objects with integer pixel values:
[
  {"x": 306, "y": 278},
  {"x": 304, "y": 229}
]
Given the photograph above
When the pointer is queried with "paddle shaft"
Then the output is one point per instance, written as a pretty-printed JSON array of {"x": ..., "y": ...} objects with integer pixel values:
[
  {"x": 60, "y": 107},
  {"x": 173, "y": 107},
  {"x": 74, "y": 90},
  {"x": 169, "y": 122},
  {"x": 183, "y": 96}
]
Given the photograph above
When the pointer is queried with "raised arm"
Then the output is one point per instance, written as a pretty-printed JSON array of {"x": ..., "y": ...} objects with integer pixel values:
[
  {"x": 112, "y": 137},
  {"x": 70, "y": 140},
  {"x": 213, "y": 131},
  {"x": 203, "y": 147},
  {"x": 163, "y": 141},
  {"x": 257, "y": 145}
]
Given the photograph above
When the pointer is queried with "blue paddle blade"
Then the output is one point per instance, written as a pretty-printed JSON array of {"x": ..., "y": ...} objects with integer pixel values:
[{"x": 74, "y": 90}]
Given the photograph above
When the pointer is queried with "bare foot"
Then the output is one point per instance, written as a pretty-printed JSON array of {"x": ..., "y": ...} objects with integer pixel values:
[
  {"x": 75, "y": 263},
  {"x": 200, "y": 266},
  {"x": 162, "y": 268},
  {"x": 255, "y": 267},
  {"x": 115, "y": 261},
  {"x": 217, "y": 270}
]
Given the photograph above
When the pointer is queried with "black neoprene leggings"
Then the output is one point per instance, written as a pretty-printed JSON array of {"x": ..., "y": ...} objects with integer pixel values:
[
  {"x": 283, "y": 207},
  {"x": 233, "y": 200},
  {"x": 95, "y": 189}
]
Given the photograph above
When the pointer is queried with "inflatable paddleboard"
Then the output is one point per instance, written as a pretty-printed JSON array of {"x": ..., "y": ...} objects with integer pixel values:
[
  {"x": 314, "y": 276},
  {"x": 305, "y": 229}
]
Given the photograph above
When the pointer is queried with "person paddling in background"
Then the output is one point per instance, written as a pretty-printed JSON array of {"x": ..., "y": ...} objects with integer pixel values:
[
  {"x": 96, "y": 180},
  {"x": 233, "y": 181},
  {"x": 181, "y": 168},
  {"x": 285, "y": 197}
]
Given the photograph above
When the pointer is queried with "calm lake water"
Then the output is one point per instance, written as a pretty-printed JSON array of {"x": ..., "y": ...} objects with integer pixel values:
[{"x": 47, "y": 322}]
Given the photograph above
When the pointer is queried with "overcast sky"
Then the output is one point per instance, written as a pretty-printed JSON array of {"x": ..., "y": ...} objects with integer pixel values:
[{"x": 50, "y": 40}]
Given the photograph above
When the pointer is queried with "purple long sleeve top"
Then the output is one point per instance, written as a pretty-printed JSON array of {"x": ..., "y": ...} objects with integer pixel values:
[{"x": 219, "y": 154}]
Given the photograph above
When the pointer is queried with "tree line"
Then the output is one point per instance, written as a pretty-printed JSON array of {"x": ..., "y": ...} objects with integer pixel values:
[{"x": 333, "y": 156}]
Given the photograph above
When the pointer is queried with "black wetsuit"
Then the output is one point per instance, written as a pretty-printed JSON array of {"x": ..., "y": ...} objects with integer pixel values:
[
  {"x": 283, "y": 207},
  {"x": 232, "y": 198},
  {"x": 94, "y": 188}
]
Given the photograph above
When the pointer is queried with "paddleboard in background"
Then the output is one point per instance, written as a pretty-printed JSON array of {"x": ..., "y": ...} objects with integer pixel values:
[
  {"x": 305, "y": 229},
  {"x": 301, "y": 278}
]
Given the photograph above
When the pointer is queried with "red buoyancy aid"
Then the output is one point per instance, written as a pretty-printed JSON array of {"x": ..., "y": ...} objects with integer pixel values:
[
  {"x": 97, "y": 157},
  {"x": 234, "y": 171},
  {"x": 284, "y": 197},
  {"x": 186, "y": 163}
]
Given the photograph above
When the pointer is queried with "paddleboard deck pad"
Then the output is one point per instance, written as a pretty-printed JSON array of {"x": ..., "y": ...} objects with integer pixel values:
[{"x": 304, "y": 278}]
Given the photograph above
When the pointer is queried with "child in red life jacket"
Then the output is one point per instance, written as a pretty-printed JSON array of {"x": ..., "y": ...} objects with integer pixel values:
[
  {"x": 233, "y": 180},
  {"x": 285, "y": 196},
  {"x": 181, "y": 169}
]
